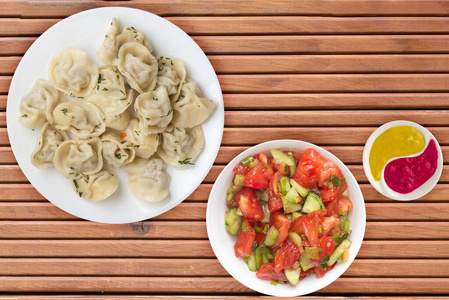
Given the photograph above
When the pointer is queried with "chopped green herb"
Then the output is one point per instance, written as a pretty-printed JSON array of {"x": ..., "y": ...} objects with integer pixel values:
[
  {"x": 147, "y": 119},
  {"x": 168, "y": 113},
  {"x": 75, "y": 183},
  {"x": 25, "y": 116},
  {"x": 98, "y": 87},
  {"x": 137, "y": 146},
  {"x": 80, "y": 193},
  {"x": 122, "y": 98},
  {"x": 185, "y": 161},
  {"x": 118, "y": 155},
  {"x": 64, "y": 111},
  {"x": 335, "y": 180},
  {"x": 104, "y": 89},
  {"x": 155, "y": 99},
  {"x": 137, "y": 133},
  {"x": 99, "y": 78},
  {"x": 122, "y": 92}
]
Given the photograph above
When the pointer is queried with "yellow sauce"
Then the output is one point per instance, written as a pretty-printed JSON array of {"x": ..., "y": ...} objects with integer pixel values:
[{"x": 394, "y": 142}]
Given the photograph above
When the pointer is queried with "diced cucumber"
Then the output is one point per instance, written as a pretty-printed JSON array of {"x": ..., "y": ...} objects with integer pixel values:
[
  {"x": 233, "y": 221},
  {"x": 263, "y": 195},
  {"x": 238, "y": 180},
  {"x": 292, "y": 168},
  {"x": 292, "y": 275},
  {"x": 266, "y": 212},
  {"x": 272, "y": 236},
  {"x": 313, "y": 202},
  {"x": 247, "y": 160},
  {"x": 295, "y": 239},
  {"x": 295, "y": 215},
  {"x": 284, "y": 185},
  {"x": 292, "y": 196},
  {"x": 338, "y": 252},
  {"x": 259, "y": 257},
  {"x": 305, "y": 262},
  {"x": 233, "y": 189},
  {"x": 251, "y": 262},
  {"x": 291, "y": 207},
  {"x": 281, "y": 157},
  {"x": 301, "y": 190},
  {"x": 312, "y": 252},
  {"x": 345, "y": 225}
]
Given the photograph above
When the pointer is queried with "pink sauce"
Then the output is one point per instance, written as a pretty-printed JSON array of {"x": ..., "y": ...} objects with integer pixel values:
[{"x": 404, "y": 175}]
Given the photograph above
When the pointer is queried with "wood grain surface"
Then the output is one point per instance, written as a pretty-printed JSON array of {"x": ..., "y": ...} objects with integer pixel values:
[{"x": 324, "y": 71}]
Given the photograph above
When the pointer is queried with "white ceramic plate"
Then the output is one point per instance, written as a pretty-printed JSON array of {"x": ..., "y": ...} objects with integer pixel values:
[
  {"x": 223, "y": 242},
  {"x": 381, "y": 186},
  {"x": 86, "y": 30}
]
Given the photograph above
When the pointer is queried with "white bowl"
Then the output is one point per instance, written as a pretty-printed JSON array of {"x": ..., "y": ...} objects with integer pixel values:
[
  {"x": 223, "y": 242},
  {"x": 381, "y": 186}
]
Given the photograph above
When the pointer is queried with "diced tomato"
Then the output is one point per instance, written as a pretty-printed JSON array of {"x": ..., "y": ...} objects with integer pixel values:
[
  {"x": 287, "y": 256},
  {"x": 327, "y": 194},
  {"x": 267, "y": 272},
  {"x": 260, "y": 237},
  {"x": 326, "y": 172},
  {"x": 308, "y": 224},
  {"x": 274, "y": 197},
  {"x": 244, "y": 244},
  {"x": 308, "y": 167},
  {"x": 327, "y": 244},
  {"x": 320, "y": 272},
  {"x": 329, "y": 223},
  {"x": 256, "y": 178},
  {"x": 332, "y": 207},
  {"x": 241, "y": 169},
  {"x": 344, "y": 206},
  {"x": 275, "y": 204},
  {"x": 249, "y": 204},
  {"x": 282, "y": 224}
]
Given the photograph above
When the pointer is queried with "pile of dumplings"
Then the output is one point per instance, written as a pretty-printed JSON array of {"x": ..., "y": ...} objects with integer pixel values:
[{"x": 136, "y": 111}]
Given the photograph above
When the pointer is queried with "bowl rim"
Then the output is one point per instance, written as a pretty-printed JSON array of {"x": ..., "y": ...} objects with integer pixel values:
[
  {"x": 265, "y": 287},
  {"x": 381, "y": 185}
]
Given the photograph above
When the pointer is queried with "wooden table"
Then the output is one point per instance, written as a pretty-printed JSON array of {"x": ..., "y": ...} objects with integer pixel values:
[{"x": 326, "y": 72}]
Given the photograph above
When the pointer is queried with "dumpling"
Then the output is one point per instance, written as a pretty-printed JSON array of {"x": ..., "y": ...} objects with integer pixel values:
[
  {"x": 76, "y": 158},
  {"x": 36, "y": 106},
  {"x": 147, "y": 179},
  {"x": 113, "y": 41},
  {"x": 112, "y": 97},
  {"x": 138, "y": 66},
  {"x": 171, "y": 74},
  {"x": 49, "y": 139},
  {"x": 96, "y": 187},
  {"x": 82, "y": 119},
  {"x": 154, "y": 111},
  {"x": 116, "y": 152},
  {"x": 181, "y": 146},
  {"x": 145, "y": 145},
  {"x": 71, "y": 72},
  {"x": 108, "y": 51},
  {"x": 192, "y": 107}
]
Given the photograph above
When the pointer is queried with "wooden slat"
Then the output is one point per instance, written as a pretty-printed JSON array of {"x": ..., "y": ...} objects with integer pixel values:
[
  {"x": 336, "y": 101},
  {"x": 210, "y": 297},
  {"x": 212, "y": 285},
  {"x": 5, "y": 82},
  {"x": 411, "y": 249},
  {"x": 339, "y": 136},
  {"x": 199, "y": 267},
  {"x": 112, "y": 267},
  {"x": 111, "y": 248},
  {"x": 334, "y": 83},
  {"x": 3, "y": 99},
  {"x": 48, "y": 211},
  {"x": 192, "y": 230},
  {"x": 50, "y": 8},
  {"x": 332, "y": 118},
  {"x": 9, "y": 64},
  {"x": 348, "y": 44},
  {"x": 264, "y": 25}
]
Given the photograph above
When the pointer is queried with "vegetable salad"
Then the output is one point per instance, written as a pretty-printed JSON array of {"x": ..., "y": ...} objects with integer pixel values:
[{"x": 290, "y": 213}]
